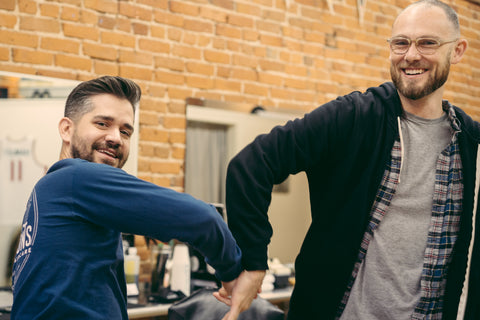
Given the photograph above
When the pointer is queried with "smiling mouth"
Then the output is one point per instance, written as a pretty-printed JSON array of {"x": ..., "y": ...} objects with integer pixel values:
[
  {"x": 108, "y": 153},
  {"x": 414, "y": 72}
]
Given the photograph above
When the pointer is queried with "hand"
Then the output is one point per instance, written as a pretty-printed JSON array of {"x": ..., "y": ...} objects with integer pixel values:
[{"x": 239, "y": 293}]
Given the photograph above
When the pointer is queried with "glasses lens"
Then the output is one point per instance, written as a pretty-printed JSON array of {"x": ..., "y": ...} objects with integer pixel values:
[
  {"x": 427, "y": 46},
  {"x": 399, "y": 45}
]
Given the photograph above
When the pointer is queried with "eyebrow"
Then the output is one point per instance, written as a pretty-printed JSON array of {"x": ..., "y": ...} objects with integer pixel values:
[{"x": 111, "y": 119}]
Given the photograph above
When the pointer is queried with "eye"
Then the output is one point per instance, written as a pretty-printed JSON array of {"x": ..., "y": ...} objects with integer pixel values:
[
  {"x": 126, "y": 133},
  {"x": 101, "y": 124},
  {"x": 400, "y": 42},
  {"x": 427, "y": 43}
]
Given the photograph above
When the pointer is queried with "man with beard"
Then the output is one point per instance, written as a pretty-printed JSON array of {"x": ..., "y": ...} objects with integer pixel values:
[
  {"x": 391, "y": 176},
  {"x": 69, "y": 262}
]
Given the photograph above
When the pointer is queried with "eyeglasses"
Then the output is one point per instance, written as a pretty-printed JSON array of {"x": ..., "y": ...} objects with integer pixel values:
[{"x": 400, "y": 45}]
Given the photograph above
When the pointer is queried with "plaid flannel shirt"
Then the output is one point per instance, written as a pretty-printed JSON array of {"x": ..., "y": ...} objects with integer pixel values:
[{"x": 444, "y": 225}]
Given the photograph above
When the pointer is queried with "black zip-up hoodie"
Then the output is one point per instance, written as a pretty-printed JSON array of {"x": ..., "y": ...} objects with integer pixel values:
[{"x": 344, "y": 147}]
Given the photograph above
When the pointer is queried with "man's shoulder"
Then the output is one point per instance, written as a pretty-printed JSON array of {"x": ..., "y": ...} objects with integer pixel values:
[
  {"x": 81, "y": 165},
  {"x": 470, "y": 126}
]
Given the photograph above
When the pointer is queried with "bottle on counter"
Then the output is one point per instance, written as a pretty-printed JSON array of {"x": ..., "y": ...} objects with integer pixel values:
[
  {"x": 132, "y": 265},
  {"x": 180, "y": 279},
  {"x": 160, "y": 255}
]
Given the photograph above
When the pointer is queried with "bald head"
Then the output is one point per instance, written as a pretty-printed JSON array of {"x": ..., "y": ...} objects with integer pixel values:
[{"x": 450, "y": 14}]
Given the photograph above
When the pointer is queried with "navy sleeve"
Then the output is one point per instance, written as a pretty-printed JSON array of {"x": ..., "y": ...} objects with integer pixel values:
[{"x": 112, "y": 198}]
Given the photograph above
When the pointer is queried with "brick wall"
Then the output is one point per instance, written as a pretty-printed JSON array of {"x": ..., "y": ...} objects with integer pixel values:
[{"x": 293, "y": 54}]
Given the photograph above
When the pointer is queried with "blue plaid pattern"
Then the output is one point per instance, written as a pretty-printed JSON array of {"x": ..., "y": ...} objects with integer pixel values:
[{"x": 444, "y": 225}]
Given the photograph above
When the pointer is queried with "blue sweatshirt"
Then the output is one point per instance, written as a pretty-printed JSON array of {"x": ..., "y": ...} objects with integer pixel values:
[{"x": 69, "y": 263}]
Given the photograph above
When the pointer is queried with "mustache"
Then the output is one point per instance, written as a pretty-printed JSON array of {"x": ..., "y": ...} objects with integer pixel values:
[
  {"x": 107, "y": 145},
  {"x": 413, "y": 65},
  {"x": 113, "y": 147}
]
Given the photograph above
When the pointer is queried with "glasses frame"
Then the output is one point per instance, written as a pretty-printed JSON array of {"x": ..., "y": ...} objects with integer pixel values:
[{"x": 419, "y": 48}]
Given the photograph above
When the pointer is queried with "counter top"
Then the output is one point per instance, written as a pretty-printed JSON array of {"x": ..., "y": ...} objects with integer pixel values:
[{"x": 152, "y": 310}]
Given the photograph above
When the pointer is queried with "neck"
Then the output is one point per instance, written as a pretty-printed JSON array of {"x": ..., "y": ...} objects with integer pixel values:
[
  {"x": 64, "y": 152},
  {"x": 429, "y": 107}
]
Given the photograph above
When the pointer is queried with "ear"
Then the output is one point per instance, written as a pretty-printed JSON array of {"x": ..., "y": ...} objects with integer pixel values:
[
  {"x": 458, "y": 51},
  {"x": 65, "y": 128}
]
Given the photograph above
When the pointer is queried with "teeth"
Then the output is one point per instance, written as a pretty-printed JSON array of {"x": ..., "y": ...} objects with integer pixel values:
[
  {"x": 414, "y": 71},
  {"x": 109, "y": 153}
]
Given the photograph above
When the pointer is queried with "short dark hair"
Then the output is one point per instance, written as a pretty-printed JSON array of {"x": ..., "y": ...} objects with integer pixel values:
[
  {"x": 78, "y": 102},
  {"x": 449, "y": 12}
]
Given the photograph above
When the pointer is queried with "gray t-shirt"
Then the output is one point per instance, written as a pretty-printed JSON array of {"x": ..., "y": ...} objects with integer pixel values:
[{"x": 388, "y": 282}]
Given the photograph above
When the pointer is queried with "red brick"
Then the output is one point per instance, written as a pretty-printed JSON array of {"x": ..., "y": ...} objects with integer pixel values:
[
  {"x": 148, "y": 118},
  {"x": 152, "y": 134},
  {"x": 240, "y": 20},
  {"x": 249, "y": 9},
  {"x": 169, "y": 63},
  {"x": 165, "y": 167},
  {"x": 270, "y": 40},
  {"x": 60, "y": 45},
  {"x": 179, "y": 92},
  {"x": 186, "y": 52},
  {"x": 274, "y": 15},
  {"x": 271, "y": 65},
  {"x": 39, "y": 24},
  {"x": 106, "y": 22},
  {"x": 175, "y": 34},
  {"x": 177, "y": 108},
  {"x": 199, "y": 26},
  {"x": 80, "y": 31},
  {"x": 31, "y": 56},
  {"x": 226, "y": 4},
  {"x": 228, "y": 31},
  {"x": 182, "y": 7},
  {"x": 217, "y": 56},
  {"x": 109, "y": 6},
  {"x": 169, "y": 19},
  {"x": 200, "y": 68},
  {"x": 213, "y": 14},
  {"x": 136, "y": 72},
  {"x": 4, "y": 54},
  {"x": 105, "y": 67},
  {"x": 157, "y": 31},
  {"x": 140, "y": 28},
  {"x": 243, "y": 74},
  {"x": 135, "y": 11},
  {"x": 199, "y": 82},
  {"x": 136, "y": 57},
  {"x": 100, "y": 51},
  {"x": 178, "y": 152},
  {"x": 169, "y": 77},
  {"x": 76, "y": 62},
  {"x": 124, "y": 24},
  {"x": 230, "y": 85},
  {"x": 160, "y": 4},
  {"x": 49, "y": 10},
  {"x": 268, "y": 26},
  {"x": 174, "y": 122},
  {"x": 27, "y": 6},
  {"x": 119, "y": 39},
  {"x": 256, "y": 89},
  {"x": 154, "y": 45},
  {"x": 7, "y": 20},
  {"x": 177, "y": 137},
  {"x": 8, "y": 4}
]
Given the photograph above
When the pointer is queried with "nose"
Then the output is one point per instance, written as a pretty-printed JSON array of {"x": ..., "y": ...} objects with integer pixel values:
[
  {"x": 412, "y": 53},
  {"x": 114, "y": 137}
]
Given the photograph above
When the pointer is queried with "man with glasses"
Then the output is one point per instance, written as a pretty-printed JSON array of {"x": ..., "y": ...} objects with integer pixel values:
[{"x": 391, "y": 178}]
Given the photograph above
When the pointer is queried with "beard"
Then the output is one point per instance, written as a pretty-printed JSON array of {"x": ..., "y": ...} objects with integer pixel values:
[
  {"x": 415, "y": 92},
  {"x": 79, "y": 149}
]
